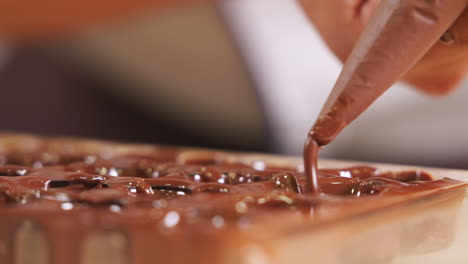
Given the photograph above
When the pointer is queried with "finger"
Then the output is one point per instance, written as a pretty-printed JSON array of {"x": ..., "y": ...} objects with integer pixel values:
[
  {"x": 446, "y": 64},
  {"x": 460, "y": 29}
]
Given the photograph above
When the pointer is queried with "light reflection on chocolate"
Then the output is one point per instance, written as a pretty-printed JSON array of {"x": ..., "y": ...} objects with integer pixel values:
[
  {"x": 79, "y": 185},
  {"x": 158, "y": 196}
]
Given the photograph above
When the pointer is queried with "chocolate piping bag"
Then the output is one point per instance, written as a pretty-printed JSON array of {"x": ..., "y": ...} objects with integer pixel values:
[{"x": 398, "y": 35}]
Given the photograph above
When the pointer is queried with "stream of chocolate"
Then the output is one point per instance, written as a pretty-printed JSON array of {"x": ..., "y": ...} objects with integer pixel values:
[
  {"x": 311, "y": 151},
  {"x": 399, "y": 34}
]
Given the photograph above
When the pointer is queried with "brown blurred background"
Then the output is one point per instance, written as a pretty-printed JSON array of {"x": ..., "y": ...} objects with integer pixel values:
[{"x": 174, "y": 77}]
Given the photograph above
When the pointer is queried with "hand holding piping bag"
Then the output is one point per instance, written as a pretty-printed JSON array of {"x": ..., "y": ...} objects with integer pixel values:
[
  {"x": 399, "y": 34},
  {"x": 341, "y": 23}
]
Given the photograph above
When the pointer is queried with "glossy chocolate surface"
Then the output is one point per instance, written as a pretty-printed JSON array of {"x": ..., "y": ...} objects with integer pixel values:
[
  {"x": 76, "y": 196},
  {"x": 173, "y": 179}
]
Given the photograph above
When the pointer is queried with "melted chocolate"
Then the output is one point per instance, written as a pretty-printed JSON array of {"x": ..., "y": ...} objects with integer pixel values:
[
  {"x": 311, "y": 150},
  {"x": 73, "y": 192},
  {"x": 168, "y": 176}
]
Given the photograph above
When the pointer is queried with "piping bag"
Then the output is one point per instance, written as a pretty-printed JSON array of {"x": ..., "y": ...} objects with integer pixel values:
[{"x": 398, "y": 35}]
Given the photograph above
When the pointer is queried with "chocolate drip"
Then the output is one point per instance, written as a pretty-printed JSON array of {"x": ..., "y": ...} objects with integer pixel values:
[{"x": 311, "y": 150}]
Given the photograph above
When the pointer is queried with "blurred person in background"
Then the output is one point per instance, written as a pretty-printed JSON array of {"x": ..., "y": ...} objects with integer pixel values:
[{"x": 241, "y": 74}]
